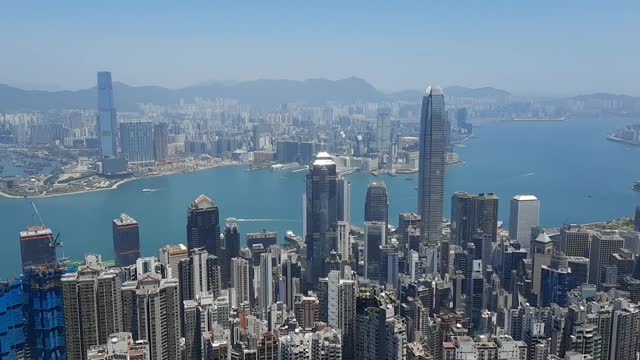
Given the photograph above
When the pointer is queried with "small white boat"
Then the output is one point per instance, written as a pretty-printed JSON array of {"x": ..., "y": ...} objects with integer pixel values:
[{"x": 149, "y": 190}]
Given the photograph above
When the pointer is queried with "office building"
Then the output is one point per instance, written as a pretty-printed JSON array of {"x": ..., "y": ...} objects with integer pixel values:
[
  {"x": 126, "y": 240},
  {"x": 203, "y": 225},
  {"x": 170, "y": 257},
  {"x": 107, "y": 118},
  {"x": 232, "y": 238},
  {"x": 36, "y": 246},
  {"x": 43, "y": 302},
  {"x": 383, "y": 134},
  {"x": 374, "y": 238},
  {"x": 136, "y": 140},
  {"x": 636, "y": 219},
  {"x": 471, "y": 214},
  {"x": 542, "y": 251},
  {"x": 603, "y": 245},
  {"x": 389, "y": 266},
  {"x": 13, "y": 341},
  {"x": 555, "y": 281},
  {"x": 151, "y": 312},
  {"x": 523, "y": 215},
  {"x": 431, "y": 166},
  {"x": 120, "y": 346},
  {"x": 376, "y": 205},
  {"x": 322, "y": 207},
  {"x": 160, "y": 142},
  {"x": 575, "y": 241},
  {"x": 92, "y": 306},
  {"x": 264, "y": 238}
]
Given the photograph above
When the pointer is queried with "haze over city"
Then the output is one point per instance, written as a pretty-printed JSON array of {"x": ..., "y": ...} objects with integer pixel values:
[
  {"x": 357, "y": 180},
  {"x": 541, "y": 47}
]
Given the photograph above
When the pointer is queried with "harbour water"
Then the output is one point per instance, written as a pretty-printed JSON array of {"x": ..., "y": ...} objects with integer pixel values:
[{"x": 579, "y": 176}]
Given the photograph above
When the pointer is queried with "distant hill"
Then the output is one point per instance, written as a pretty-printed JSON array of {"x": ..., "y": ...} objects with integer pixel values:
[
  {"x": 267, "y": 93},
  {"x": 483, "y": 92}
]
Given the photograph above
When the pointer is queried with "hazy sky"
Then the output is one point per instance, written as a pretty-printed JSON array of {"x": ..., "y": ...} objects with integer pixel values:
[{"x": 560, "y": 47}]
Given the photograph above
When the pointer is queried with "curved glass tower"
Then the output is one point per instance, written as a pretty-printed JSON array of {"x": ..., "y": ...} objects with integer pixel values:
[{"x": 431, "y": 166}]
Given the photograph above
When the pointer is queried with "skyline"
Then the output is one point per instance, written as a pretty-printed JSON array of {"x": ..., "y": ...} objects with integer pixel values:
[{"x": 521, "y": 48}]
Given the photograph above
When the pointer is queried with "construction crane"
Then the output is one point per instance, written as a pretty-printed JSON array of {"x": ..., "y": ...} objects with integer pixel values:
[{"x": 53, "y": 241}]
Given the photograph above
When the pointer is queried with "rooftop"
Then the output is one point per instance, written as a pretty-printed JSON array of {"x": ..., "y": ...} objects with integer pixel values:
[
  {"x": 525, "y": 198},
  {"x": 433, "y": 90},
  {"x": 202, "y": 202},
  {"x": 124, "y": 219},
  {"x": 36, "y": 231},
  {"x": 323, "y": 159}
]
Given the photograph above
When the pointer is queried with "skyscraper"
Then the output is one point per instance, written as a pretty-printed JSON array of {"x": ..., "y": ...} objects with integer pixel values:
[
  {"x": 43, "y": 303},
  {"x": 383, "y": 133},
  {"x": 470, "y": 213},
  {"x": 321, "y": 212},
  {"x": 342, "y": 307},
  {"x": 376, "y": 205},
  {"x": 524, "y": 214},
  {"x": 240, "y": 282},
  {"x": 36, "y": 246},
  {"x": 265, "y": 285},
  {"x": 203, "y": 225},
  {"x": 625, "y": 329},
  {"x": 136, "y": 140},
  {"x": 603, "y": 245},
  {"x": 107, "y": 118},
  {"x": 232, "y": 238},
  {"x": 151, "y": 311},
  {"x": 431, "y": 166},
  {"x": 160, "y": 142},
  {"x": 374, "y": 238},
  {"x": 636, "y": 220},
  {"x": 170, "y": 256},
  {"x": 126, "y": 240},
  {"x": 344, "y": 199},
  {"x": 92, "y": 306},
  {"x": 575, "y": 241}
]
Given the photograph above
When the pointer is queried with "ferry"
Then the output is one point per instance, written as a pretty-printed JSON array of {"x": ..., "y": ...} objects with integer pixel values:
[
  {"x": 636, "y": 186},
  {"x": 149, "y": 190}
]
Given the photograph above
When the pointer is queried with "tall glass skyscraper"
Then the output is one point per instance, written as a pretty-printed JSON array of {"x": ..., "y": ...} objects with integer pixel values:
[
  {"x": 107, "y": 118},
  {"x": 431, "y": 166},
  {"x": 376, "y": 205},
  {"x": 322, "y": 203}
]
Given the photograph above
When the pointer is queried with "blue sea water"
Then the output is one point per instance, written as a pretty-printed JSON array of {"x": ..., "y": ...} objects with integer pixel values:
[{"x": 578, "y": 175}]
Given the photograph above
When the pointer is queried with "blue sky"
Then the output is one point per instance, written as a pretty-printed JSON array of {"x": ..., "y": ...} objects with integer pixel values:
[{"x": 558, "y": 47}]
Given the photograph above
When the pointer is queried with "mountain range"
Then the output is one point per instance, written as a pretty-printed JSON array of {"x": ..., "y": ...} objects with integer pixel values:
[
  {"x": 263, "y": 93},
  {"x": 267, "y": 94}
]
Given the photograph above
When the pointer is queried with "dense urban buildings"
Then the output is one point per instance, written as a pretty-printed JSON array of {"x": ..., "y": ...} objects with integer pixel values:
[{"x": 422, "y": 288}]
